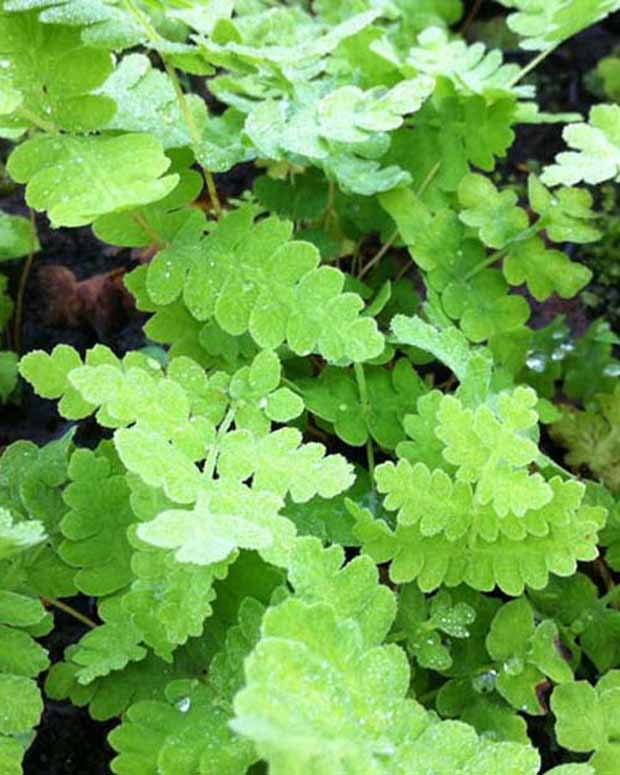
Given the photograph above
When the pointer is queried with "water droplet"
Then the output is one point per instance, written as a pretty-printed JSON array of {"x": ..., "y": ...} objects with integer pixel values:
[
  {"x": 184, "y": 704},
  {"x": 484, "y": 682},
  {"x": 612, "y": 370},
  {"x": 536, "y": 362}
]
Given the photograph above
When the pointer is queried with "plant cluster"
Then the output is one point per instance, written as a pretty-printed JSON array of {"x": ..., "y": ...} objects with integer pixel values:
[{"x": 324, "y": 530}]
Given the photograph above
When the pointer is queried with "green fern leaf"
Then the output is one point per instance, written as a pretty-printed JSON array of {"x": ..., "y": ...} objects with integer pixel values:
[
  {"x": 472, "y": 69},
  {"x": 596, "y": 154},
  {"x": 542, "y": 25},
  {"x": 279, "y": 463},
  {"x": 587, "y": 719},
  {"x": 226, "y": 517},
  {"x": 192, "y": 711},
  {"x": 308, "y": 657},
  {"x": 278, "y": 292},
  {"x": 95, "y": 531},
  {"x": 107, "y": 648},
  {"x": 99, "y": 175},
  {"x": 334, "y": 397},
  {"x": 49, "y": 77}
]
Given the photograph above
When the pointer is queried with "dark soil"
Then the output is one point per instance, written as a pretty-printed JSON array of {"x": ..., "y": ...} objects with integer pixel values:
[{"x": 68, "y": 741}]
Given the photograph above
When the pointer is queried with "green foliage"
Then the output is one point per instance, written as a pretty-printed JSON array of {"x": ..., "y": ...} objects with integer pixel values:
[
  {"x": 309, "y": 653},
  {"x": 608, "y": 71},
  {"x": 526, "y": 653},
  {"x": 17, "y": 237},
  {"x": 22, "y": 660},
  {"x": 596, "y": 155},
  {"x": 334, "y": 397},
  {"x": 79, "y": 179},
  {"x": 597, "y": 711},
  {"x": 481, "y": 516},
  {"x": 548, "y": 24},
  {"x": 49, "y": 77},
  {"x": 323, "y": 529},
  {"x": 591, "y": 437}
]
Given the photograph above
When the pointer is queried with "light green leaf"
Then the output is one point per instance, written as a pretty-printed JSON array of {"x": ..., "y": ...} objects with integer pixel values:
[
  {"x": 159, "y": 462},
  {"x": 18, "y": 237},
  {"x": 596, "y": 154},
  {"x": 493, "y": 213},
  {"x": 448, "y": 345},
  {"x": 588, "y": 719},
  {"x": 310, "y": 667},
  {"x": 318, "y": 575},
  {"x": 543, "y": 25},
  {"x": 545, "y": 271},
  {"x": 348, "y": 115},
  {"x": 226, "y": 517},
  {"x": 49, "y": 77},
  {"x": 16, "y": 537},
  {"x": 107, "y": 648},
  {"x": 565, "y": 213},
  {"x": 253, "y": 278},
  {"x": 146, "y": 102},
  {"x": 21, "y": 704},
  {"x": 278, "y": 463},
  {"x": 78, "y": 179},
  {"x": 471, "y": 69},
  {"x": 494, "y": 450}
]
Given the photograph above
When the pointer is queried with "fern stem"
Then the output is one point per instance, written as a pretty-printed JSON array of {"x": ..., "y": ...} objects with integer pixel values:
[
  {"x": 362, "y": 388},
  {"x": 531, "y": 231},
  {"x": 484, "y": 264},
  {"x": 611, "y": 596},
  {"x": 213, "y": 195},
  {"x": 195, "y": 136},
  {"x": 384, "y": 249},
  {"x": 138, "y": 218},
  {"x": 211, "y": 460},
  {"x": 188, "y": 117},
  {"x": 379, "y": 255},
  {"x": 290, "y": 384},
  {"x": 531, "y": 65},
  {"x": 471, "y": 17},
  {"x": 52, "y": 601},
  {"x": 35, "y": 119},
  {"x": 21, "y": 290},
  {"x": 143, "y": 20}
]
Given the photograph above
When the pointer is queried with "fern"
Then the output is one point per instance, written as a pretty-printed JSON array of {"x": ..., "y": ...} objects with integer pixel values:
[
  {"x": 323, "y": 529},
  {"x": 548, "y": 24}
]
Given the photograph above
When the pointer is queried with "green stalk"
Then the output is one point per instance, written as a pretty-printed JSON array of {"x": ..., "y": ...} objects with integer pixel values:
[
  {"x": 611, "y": 596},
  {"x": 211, "y": 460},
  {"x": 21, "y": 289},
  {"x": 155, "y": 38},
  {"x": 52, "y": 601},
  {"x": 531, "y": 231},
  {"x": 193, "y": 131},
  {"x": 531, "y": 65},
  {"x": 363, "y": 393},
  {"x": 384, "y": 249}
]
